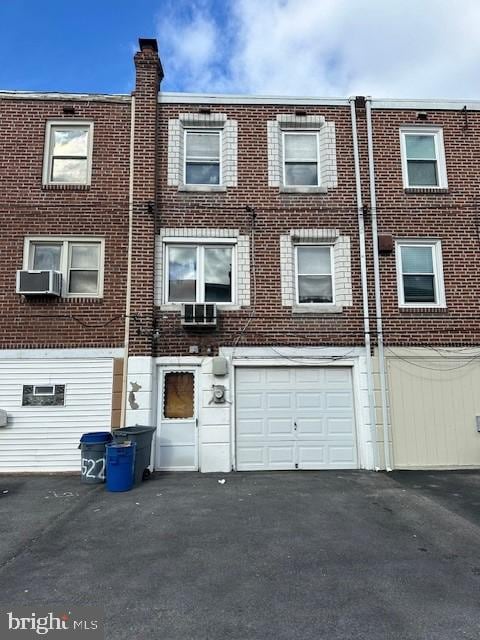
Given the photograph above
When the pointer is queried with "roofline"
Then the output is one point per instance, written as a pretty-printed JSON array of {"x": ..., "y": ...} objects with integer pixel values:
[
  {"x": 53, "y": 95},
  {"x": 425, "y": 104},
  {"x": 170, "y": 97}
]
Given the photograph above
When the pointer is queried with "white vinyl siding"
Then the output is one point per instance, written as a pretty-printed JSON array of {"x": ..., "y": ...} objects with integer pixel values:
[{"x": 42, "y": 438}]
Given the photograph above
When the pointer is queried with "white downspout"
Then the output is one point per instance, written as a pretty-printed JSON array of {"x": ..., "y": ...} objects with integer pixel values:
[
  {"x": 363, "y": 274},
  {"x": 128, "y": 296},
  {"x": 378, "y": 299}
]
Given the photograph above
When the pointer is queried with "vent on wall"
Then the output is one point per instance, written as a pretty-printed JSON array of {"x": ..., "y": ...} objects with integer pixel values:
[{"x": 199, "y": 314}]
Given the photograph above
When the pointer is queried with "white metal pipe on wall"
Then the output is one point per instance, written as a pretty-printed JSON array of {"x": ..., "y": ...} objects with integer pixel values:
[
  {"x": 363, "y": 275},
  {"x": 376, "y": 271}
]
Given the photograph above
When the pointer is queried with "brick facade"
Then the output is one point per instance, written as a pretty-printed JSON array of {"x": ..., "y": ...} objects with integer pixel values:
[
  {"x": 450, "y": 215},
  {"x": 251, "y": 150},
  {"x": 27, "y": 208},
  {"x": 266, "y": 320}
]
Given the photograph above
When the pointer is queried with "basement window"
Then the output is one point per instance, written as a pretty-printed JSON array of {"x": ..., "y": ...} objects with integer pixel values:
[{"x": 43, "y": 395}]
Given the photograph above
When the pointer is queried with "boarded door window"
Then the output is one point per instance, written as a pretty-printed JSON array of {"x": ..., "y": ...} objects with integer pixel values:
[{"x": 178, "y": 395}]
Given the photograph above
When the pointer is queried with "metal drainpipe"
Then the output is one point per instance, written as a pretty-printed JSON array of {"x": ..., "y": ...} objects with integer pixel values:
[
  {"x": 128, "y": 297},
  {"x": 363, "y": 273},
  {"x": 378, "y": 298}
]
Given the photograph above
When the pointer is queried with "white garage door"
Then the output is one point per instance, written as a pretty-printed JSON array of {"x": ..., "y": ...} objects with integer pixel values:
[{"x": 295, "y": 418}]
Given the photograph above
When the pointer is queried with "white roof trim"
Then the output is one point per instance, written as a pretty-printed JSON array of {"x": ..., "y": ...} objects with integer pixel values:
[
  {"x": 424, "y": 104},
  {"x": 84, "y": 97},
  {"x": 167, "y": 97}
]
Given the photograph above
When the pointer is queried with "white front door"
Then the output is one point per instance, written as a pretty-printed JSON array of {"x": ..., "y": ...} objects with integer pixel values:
[
  {"x": 295, "y": 418},
  {"x": 177, "y": 439}
]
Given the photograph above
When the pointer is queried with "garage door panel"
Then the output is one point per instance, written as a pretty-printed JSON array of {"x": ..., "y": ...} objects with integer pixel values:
[
  {"x": 341, "y": 455},
  {"x": 341, "y": 427},
  {"x": 307, "y": 375},
  {"x": 269, "y": 456},
  {"x": 278, "y": 400},
  {"x": 337, "y": 376},
  {"x": 249, "y": 400},
  {"x": 308, "y": 427},
  {"x": 277, "y": 375},
  {"x": 339, "y": 400},
  {"x": 312, "y": 455},
  {"x": 252, "y": 428},
  {"x": 305, "y": 419},
  {"x": 309, "y": 400},
  {"x": 280, "y": 427}
]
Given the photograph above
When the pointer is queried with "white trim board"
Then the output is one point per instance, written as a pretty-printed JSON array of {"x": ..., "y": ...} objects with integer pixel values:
[{"x": 39, "y": 354}]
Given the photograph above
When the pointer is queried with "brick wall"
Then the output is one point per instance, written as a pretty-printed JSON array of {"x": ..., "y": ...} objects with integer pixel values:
[
  {"x": 27, "y": 208},
  {"x": 267, "y": 321},
  {"x": 452, "y": 216}
]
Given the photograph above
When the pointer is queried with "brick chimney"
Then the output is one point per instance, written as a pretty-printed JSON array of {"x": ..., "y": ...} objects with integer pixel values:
[{"x": 149, "y": 74}]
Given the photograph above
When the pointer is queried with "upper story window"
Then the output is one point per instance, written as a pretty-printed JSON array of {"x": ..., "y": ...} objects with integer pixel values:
[
  {"x": 202, "y": 152},
  {"x": 199, "y": 273},
  {"x": 301, "y": 154},
  {"x": 314, "y": 274},
  {"x": 202, "y": 157},
  {"x": 423, "y": 158},
  {"x": 420, "y": 274},
  {"x": 80, "y": 262},
  {"x": 300, "y": 159},
  {"x": 68, "y": 153}
]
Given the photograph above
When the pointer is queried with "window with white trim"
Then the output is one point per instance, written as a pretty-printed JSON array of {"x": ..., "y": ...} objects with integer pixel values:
[
  {"x": 199, "y": 273},
  {"x": 314, "y": 281},
  {"x": 301, "y": 159},
  {"x": 423, "y": 158},
  {"x": 420, "y": 273},
  {"x": 68, "y": 153},
  {"x": 80, "y": 261},
  {"x": 202, "y": 157}
]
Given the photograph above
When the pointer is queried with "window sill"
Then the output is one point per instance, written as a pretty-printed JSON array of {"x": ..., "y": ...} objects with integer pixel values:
[
  {"x": 426, "y": 190},
  {"x": 316, "y": 308},
  {"x": 65, "y": 187},
  {"x": 221, "y": 306},
  {"x": 202, "y": 188},
  {"x": 302, "y": 190},
  {"x": 436, "y": 309},
  {"x": 60, "y": 299}
]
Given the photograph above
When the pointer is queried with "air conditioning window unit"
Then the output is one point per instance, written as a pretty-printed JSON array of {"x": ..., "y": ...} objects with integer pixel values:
[
  {"x": 39, "y": 283},
  {"x": 199, "y": 314}
]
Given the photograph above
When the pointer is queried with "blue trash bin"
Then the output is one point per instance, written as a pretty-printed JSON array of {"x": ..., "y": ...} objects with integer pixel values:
[
  {"x": 120, "y": 466},
  {"x": 93, "y": 458}
]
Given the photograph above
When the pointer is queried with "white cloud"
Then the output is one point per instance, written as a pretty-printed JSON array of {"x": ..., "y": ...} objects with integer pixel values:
[{"x": 409, "y": 48}]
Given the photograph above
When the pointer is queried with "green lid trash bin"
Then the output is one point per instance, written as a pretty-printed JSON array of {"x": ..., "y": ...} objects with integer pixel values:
[{"x": 142, "y": 436}]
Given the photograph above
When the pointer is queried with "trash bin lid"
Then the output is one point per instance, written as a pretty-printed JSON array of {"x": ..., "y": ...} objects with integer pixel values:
[
  {"x": 137, "y": 429},
  {"x": 96, "y": 437}
]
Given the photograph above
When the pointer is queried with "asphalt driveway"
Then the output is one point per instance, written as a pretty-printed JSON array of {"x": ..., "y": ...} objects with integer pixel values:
[{"x": 295, "y": 555}]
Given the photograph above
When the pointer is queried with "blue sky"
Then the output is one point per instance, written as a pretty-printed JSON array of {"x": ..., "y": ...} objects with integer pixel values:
[
  {"x": 385, "y": 48},
  {"x": 53, "y": 45}
]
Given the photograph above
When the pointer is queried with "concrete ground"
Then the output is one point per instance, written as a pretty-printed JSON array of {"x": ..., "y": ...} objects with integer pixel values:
[{"x": 294, "y": 555}]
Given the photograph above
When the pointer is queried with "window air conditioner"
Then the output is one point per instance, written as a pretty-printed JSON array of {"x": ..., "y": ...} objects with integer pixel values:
[
  {"x": 39, "y": 283},
  {"x": 199, "y": 315}
]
